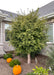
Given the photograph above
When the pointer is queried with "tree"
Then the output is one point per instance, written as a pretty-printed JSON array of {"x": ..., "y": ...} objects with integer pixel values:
[{"x": 28, "y": 33}]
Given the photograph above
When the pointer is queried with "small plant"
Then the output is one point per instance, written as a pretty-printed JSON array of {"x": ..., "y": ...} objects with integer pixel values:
[
  {"x": 14, "y": 62},
  {"x": 31, "y": 73},
  {"x": 40, "y": 71},
  {"x": 7, "y": 56}
]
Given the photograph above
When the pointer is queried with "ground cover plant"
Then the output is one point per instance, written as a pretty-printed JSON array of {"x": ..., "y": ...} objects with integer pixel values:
[
  {"x": 14, "y": 62},
  {"x": 7, "y": 56}
]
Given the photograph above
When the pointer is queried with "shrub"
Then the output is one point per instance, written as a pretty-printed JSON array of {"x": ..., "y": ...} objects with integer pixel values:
[
  {"x": 17, "y": 54},
  {"x": 24, "y": 55},
  {"x": 7, "y": 56},
  {"x": 31, "y": 73},
  {"x": 14, "y": 62},
  {"x": 34, "y": 54},
  {"x": 40, "y": 71}
]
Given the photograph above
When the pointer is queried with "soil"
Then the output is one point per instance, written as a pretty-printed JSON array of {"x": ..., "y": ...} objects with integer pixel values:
[{"x": 5, "y": 69}]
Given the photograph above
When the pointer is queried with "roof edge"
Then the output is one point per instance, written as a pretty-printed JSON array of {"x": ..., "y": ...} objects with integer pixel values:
[{"x": 48, "y": 15}]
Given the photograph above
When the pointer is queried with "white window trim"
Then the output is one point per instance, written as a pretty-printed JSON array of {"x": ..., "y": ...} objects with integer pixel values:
[
  {"x": 1, "y": 32},
  {"x": 53, "y": 32}
]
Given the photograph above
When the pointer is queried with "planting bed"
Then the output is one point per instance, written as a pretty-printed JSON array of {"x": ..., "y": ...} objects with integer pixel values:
[{"x": 5, "y": 69}]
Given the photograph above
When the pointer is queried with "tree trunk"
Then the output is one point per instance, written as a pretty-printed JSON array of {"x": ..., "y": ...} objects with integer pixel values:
[
  {"x": 29, "y": 59},
  {"x": 36, "y": 61}
]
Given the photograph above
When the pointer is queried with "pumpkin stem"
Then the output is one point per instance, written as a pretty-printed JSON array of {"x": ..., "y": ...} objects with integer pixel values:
[{"x": 17, "y": 64}]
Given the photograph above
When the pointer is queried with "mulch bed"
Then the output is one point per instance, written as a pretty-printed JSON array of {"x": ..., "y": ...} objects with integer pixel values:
[{"x": 5, "y": 69}]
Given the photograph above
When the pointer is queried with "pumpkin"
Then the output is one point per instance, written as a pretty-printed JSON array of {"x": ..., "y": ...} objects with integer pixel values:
[
  {"x": 17, "y": 70},
  {"x": 9, "y": 60}
]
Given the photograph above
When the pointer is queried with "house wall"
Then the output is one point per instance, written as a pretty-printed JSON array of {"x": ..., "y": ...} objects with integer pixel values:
[
  {"x": 2, "y": 36},
  {"x": 0, "y": 31},
  {"x": 47, "y": 49},
  {"x": 6, "y": 44},
  {"x": 3, "y": 31}
]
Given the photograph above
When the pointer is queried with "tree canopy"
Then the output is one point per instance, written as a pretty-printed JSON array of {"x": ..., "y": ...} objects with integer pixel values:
[{"x": 28, "y": 32}]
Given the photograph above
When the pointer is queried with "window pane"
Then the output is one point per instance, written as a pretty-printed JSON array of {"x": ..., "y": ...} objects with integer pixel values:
[
  {"x": 6, "y": 26},
  {"x": 7, "y": 32},
  {"x": 50, "y": 33}
]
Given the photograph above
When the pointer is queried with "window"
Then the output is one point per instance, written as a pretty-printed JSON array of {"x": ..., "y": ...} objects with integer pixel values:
[
  {"x": 6, "y": 26},
  {"x": 50, "y": 32},
  {"x": 7, "y": 32}
]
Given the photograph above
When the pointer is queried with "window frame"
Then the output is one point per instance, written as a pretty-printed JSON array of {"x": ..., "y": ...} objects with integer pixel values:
[{"x": 53, "y": 36}]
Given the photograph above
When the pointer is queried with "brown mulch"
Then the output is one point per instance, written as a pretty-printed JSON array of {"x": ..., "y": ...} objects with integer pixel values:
[{"x": 5, "y": 69}]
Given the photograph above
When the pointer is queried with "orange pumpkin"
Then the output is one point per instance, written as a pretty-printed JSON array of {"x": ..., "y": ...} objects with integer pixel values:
[
  {"x": 17, "y": 69},
  {"x": 9, "y": 60}
]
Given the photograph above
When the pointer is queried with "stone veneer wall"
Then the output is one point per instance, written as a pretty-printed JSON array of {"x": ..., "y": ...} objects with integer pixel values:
[
  {"x": 47, "y": 49},
  {"x": 8, "y": 47},
  {"x": 3, "y": 31},
  {"x": 0, "y": 31},
  {"x": 2, "y": 37}
]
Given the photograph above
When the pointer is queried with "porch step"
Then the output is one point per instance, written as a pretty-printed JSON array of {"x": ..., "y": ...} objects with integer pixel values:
[{"x": 2, "y": 52}]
